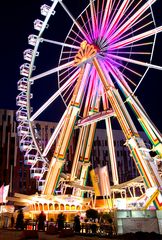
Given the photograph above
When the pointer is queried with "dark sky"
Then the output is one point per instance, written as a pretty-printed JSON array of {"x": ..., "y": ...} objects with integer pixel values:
[{"x": 16, "y": 20}]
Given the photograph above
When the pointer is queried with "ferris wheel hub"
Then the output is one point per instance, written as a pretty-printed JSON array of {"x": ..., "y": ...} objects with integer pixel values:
[{"x": 85, "y": 53}]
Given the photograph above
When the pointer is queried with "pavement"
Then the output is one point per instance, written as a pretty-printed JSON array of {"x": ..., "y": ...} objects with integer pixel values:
[{"x": 17, "y": 235}]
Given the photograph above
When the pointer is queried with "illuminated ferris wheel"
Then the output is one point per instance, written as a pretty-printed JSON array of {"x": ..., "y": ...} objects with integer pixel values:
[{"x": 104, "y": 58}]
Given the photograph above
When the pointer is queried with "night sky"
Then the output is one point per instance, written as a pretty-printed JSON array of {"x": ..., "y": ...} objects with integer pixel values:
[{"x": 17, "y": 19}]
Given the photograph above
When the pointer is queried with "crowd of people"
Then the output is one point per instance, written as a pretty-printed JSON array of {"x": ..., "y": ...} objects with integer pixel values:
[
  {"x": 19, "y": 223},
  {"x": 41, "y": 223}
]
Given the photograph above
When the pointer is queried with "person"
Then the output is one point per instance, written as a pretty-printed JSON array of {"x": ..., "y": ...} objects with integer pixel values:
[
  {"x": 20, "y": 220},
  {"x": 6, "y": 218},
  {"x": 12, "y": 221},
  {"x": 77, "y": 223},
  {"x": 41, "y": 221},
  {"x": 60, "y": 221}
]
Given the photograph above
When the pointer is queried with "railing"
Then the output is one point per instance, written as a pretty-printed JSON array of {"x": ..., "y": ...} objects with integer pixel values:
[{"x": 88, "y": 228}]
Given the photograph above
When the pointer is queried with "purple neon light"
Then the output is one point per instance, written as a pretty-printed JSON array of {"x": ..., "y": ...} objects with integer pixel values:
[{"x": 122, "y": 28}]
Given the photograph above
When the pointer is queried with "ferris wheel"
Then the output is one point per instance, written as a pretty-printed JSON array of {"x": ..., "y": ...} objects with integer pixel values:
[{"x": 103, "y": 60}]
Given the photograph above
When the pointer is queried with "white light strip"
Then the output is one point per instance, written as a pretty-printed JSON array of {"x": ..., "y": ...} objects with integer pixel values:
[
  {"x": 136, "y": 62},
  {"x": 75, "y": 22},
  {"x": 59, "y": 68},
  {"x": 136, "y": 38},
  {"x": 131, "y": 20},
  {"x": 59, "y": 43}
]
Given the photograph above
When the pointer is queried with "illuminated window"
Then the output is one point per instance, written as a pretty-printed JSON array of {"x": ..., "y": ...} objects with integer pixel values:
[{"x": 67, "y": 207}]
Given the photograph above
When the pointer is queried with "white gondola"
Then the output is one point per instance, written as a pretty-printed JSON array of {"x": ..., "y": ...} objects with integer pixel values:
[
  {"x": 38, "y": 24},
  {"x": 32, "y": 39},
  {"x": 25, "y": 68},
  {"x": 27, "y": 144},
  {"x": 21, "y": 99},
  {"x": 36, "y": 173},
  {"x": 41, "y": 184},
  {"x": 45, "y": 9},
  {"x": 28, "y": 53},
  {"x": 29, "y": 159},
  {"x": 21, "y": 114},
  {"x": 22, "y": 84},
  {"x": 23, "y": 130}
]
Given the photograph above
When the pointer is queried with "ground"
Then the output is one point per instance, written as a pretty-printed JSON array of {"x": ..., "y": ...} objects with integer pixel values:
[{"x": 16, "y": 235}]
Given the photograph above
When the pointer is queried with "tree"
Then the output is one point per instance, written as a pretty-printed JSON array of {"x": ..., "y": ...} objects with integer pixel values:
[
  {"x": 107, "y": 217},
  {"x": 92, "y": 213}
]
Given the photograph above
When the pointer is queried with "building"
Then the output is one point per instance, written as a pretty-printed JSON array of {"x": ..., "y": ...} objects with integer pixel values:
[{"x": 13, "y": 171}]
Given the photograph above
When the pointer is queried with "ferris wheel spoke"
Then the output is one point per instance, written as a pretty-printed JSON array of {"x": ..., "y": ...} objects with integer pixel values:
[
  {"x": 136, "y": 38},
  {"x": 126, "y": 16},
  {"x": 66, "y": 74},
  {"x": 73, "y": 39},
  {"x": 125, "y": 19},
  {"x": 137, "y": 45},
  {"x": 94, "y": 18},
  {"x": 128, "y": 24},
  {"x": 55, "y": 95},
  {"x": 120, "y": 20},
  {"x": 77, "y": 35},
  {"x": 60, "y": 43},
  {"x": 54, "y": 135},
  {"x": 132, "y": 53},
  {"x": 135, "y": 62},
  {"x": 130, "y": 33},
  {"x": 142, "y": 19},
  {"x": 54, "y": 70},
  {"x": 70, "y": 94},
  {"x": 126, "y": 77},
  {"x": 107, "y": 31},
  {"x": 136, "y": 30},
  {"x": 104, "y": 18},
  {"x": 87, "y": 28},
  {"x": 118, "y": 16},
  {"x": 125, "y": 67},
  {"x": 123, "y": 80},
  {"x": 74, "y": 21}
]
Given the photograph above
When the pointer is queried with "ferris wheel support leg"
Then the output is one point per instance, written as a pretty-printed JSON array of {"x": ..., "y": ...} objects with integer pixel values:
[
  {"x": 68, "y": 127},
  {"x": 83, "y": 164},
  {"x": 65, "y": 134},
  {"x": 85, "y": 143},
  {"x": 110, "y": 143},
  {"x": 149, "y": 128},
  {"x": 77, "y": 162},
  {"x": 84, "y": 172},
  {"x": 112, "y": 151},
  {"x": 52, "y": 176},
  {"x": 89, "y": 140},
  {"x": 60, "y": 151},
  {"x": 142, "y": 158}
]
